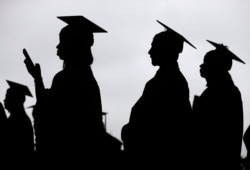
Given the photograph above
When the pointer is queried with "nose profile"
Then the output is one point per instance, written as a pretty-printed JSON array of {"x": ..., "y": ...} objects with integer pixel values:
[{"x": 150, "y": 50}]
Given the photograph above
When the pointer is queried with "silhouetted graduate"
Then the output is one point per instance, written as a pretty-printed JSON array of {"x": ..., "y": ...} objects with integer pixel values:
[
  {"x": 219, "y": 113},
  {"x": 3, "y": 127},
  {"x": 68, "y": 116},
  {"x": 246, "y": 140},
  {"x": 19, "y": 128},
  {"x": 3, "y": 116},
  {"x": 157, "y": 131}
]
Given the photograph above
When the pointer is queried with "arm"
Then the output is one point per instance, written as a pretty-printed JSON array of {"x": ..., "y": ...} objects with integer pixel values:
[{"x": 35, "y": 72}]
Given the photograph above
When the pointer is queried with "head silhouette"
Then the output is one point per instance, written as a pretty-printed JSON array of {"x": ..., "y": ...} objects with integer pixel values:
[
  {"x": 74, "y": 44},
  {"x": 166, "y": 46},
  {"x": 15, "y": 96},
  {"x": 217, "y": 62},
  {"x": 76, "y": 39}
]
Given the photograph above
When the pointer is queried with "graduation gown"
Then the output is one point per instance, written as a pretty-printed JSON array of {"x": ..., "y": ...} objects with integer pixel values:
[
  {"x": 158, "y": 127},
  {"x": 68, "y": 116},
  {"x": 19, "y": 136},
  {"x": 219, "y": 125}
]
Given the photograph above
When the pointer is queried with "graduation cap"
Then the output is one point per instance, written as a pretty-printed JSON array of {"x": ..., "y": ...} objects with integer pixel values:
[
  {"x": 82, "y": 22},
  {"x": 171, "y": 31},
  {"x": 19, "y": 88},
  {"x": 226, "y": 51}
]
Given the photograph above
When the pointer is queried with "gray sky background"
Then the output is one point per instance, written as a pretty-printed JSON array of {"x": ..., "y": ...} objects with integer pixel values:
[{"x": 122, "y": 65}]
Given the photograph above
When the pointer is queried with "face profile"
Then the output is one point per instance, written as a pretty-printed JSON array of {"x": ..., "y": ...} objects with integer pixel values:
[
  {"x": 76, "y": 39},
  {"x": 218, "y": 61},
  {"x": 156, "y": 52},
  {"x": 166, "y": 46},
  {"x": 209, "y": 66}
]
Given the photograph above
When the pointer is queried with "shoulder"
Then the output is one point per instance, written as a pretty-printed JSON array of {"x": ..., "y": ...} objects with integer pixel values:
[
  {"x": 58, "y": 80},
  {"x": 59, "y": 75}
]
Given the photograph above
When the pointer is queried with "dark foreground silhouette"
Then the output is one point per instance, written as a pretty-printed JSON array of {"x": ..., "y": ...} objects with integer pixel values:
[
  {"x": 246, "y": 139},
  {"x": 68, "y": 116},
  {"x": 218, "y": 113},
  {"x": 157, "y": 132},
  {"x": 17, "y": 137}
]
